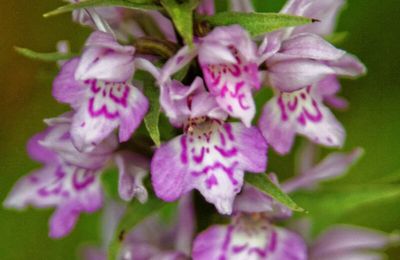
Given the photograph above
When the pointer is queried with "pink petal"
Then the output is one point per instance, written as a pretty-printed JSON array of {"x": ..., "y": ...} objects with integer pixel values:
[{"x": 132, "y": 169}]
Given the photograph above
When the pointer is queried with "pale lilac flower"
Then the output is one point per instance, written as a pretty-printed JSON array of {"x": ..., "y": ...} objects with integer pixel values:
[
  {"x": 229, "y": 60},
  {"x": 252, "y": 235},
  {"x": 97, "y": 86},
  {"x": 211, "y": 155},
  {"x": 69, "y": 179},
  {"x": 249, "y": 237},
  {"x": 302, "y": 68}
]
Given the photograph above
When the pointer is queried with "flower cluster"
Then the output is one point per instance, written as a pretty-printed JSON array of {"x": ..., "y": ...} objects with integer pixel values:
[{"x": 216, "y": 141}]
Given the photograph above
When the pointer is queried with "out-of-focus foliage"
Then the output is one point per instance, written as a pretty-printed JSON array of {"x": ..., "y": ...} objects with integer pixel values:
[{"x": 372, "y": 122}]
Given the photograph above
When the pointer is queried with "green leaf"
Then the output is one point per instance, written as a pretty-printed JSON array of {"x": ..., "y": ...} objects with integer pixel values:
[
  {"x": 131, "y": 4},
  {"x": 51, "y": 56},
  {"x": 182, "y": 16},
  {"x": 328, "y": 205},
  {"x": 134, "y": 214},
  {"x": 265, "y": 185},
  {"x": 151, "y": 120},
  {"x": 257, "y": 23}
]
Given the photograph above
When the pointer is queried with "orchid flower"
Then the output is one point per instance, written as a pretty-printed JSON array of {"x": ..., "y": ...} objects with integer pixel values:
[
  {"x": 252, "y": 234},
  {"x": 97, "y": 85},
  {"x": 211, "y": 155},
  {"x": 229, "y": 61},
  {"x": 302, "y": 68},
  {"x": 70, "y": 180}
]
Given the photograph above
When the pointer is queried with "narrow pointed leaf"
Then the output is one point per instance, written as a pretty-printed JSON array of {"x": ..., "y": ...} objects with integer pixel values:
[
  {"x": 257, "y": 23},
  {"x": 134, "y": 214},
  {"x": 130, "y": 4},
  {"x": 50, "y": 56},
  {"x": 182, "y": 16},
  {"x": 151, "y": 120},
  {"x": 265, "y": 185}
]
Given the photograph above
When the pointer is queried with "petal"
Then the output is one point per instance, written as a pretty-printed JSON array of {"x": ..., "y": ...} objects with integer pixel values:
[
  {"x": 58, "y": 140},
  {"x": 293, "y": 74},
  {"x": 342, "y": 239},
  {"x": 182, "y": 58},
  {"x": 62, "y": 222},
  {"x": 108, "y": 106},
  {"x": 310, "y": 46},
  {"x": 275, "y": 126},
  {"x": 252, "y": 147},
  {"x": 72, "y": 190},
  {"x": 333, "y": 166},
  {"x": 168, "y": 170},
  {"x": 65, "y": 88},
  {"x": 30, "y": 189},
  {"x": 229, "y": 242},
  {"x": 132, "y": 169},
  {"x": 186, "y": 225},
  {"x": 133, "y": 114},
  {"x": 251, "y": 200},
  {"x": 302, "y": 112},
  {"x": 209, "y": 159},
  {"x": 38, "y": 152},
  {"x": 105, "y": 59},
  {"x": 269, "y": 46},
  {"x": 349, "y": 66}
]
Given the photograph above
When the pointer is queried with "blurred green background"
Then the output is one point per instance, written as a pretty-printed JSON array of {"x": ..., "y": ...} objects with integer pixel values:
[{"x": 372, "y": 122}]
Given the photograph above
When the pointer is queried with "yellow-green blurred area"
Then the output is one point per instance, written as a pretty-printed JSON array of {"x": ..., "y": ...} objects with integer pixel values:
[{"x": 372, "y": 121}]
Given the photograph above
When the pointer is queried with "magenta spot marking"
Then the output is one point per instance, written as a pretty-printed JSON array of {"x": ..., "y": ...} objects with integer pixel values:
[
  {"x": 303, "y": 96},
  {"x": 212, "y": 181},
  {"x": 292, "y": 106},
  {"x": 82, "y": 180},
  {"x": 95, "y": 89},
  {"x": 227, "y": 239},
  {"x": 121, "y": 100},
  {"x": 184, "y": 158},
  {"x": 301, "y": 119},
  {"x": 217, "y": 165},
  {"x": 222, "y": 138},
  {"x": 226, "y": 153},
  {"x": 317, "y": 116},
  {"x": 235, "y": 71},
  {"x": 273, "y": 241},
  {"x": 238, "y": 249},
  {"x": 228, "y": 130},
  {"x": 199, "y": 158},
  {"x": 102, "y": 111},
  {"x": 281, "y": 105}
]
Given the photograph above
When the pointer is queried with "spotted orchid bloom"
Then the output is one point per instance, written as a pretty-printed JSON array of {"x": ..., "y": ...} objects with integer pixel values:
[
  {"x": 97, "y": 85},
  {"x": 252, "y": 234},
  {"x": 229, "y": 61},
  {"x": 154, "y": 238},
  {"x": 70, "y": 180},
  {"x": 249, "y": 237},
  {"x": 302, "y": 68},
  {"x": 211, "y": 155}
]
